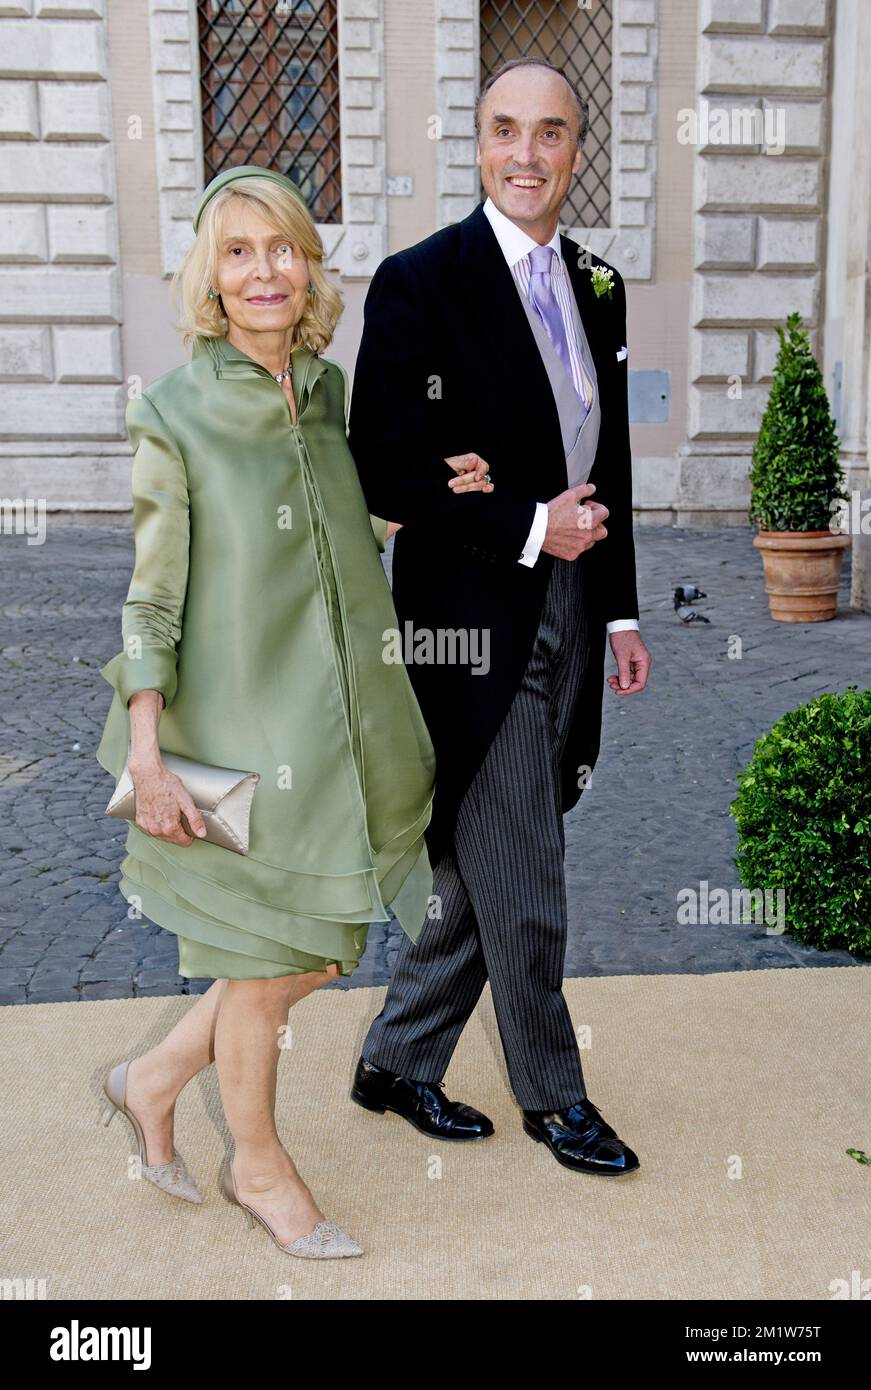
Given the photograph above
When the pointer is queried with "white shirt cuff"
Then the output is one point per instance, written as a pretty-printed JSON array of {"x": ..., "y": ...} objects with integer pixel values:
[
  {"x": 535, "y": 539},
  {"x": 622, "y": 625}
]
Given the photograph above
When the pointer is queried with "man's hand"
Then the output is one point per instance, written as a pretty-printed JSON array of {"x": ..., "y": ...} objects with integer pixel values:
[
  {"x": 571, "y": 530},
  {"x": 633, "y": 663}
]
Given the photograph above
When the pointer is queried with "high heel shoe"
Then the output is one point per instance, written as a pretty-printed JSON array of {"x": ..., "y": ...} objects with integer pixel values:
[
  {"x": 172, "y": 1177},
  {"x": 327, "y": 1241}
]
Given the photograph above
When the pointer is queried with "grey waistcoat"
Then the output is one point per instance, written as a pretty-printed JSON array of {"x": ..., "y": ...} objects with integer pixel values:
[{"x": 580, "y": 435}]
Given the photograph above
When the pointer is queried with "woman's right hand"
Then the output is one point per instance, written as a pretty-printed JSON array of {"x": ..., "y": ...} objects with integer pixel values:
[
  {"x": 473, "y": 474},
  {"x": 161, "y": 800}
]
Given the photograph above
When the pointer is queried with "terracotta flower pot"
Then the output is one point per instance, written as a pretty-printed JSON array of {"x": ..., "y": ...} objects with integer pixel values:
[{"x": 802, "y": 573}]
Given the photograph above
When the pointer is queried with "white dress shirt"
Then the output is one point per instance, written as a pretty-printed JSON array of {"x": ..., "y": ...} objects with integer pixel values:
[{"x": 516, "y": 246}]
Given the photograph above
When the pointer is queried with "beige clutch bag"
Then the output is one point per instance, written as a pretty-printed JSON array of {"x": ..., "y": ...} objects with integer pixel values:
[{"x": 222, "y": 795}]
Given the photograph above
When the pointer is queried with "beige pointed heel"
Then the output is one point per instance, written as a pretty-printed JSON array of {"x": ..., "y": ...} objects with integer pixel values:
[
  {"x": 172, "y": 1177},
  {"x": 326, "y": 1242}
]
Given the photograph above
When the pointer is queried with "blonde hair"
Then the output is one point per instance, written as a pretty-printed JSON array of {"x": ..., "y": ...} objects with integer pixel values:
[{"x": 200, "y": 316}]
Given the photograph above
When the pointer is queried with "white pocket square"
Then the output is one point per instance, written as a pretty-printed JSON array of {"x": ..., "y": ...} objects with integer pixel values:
[{"x": 623, "y": 353}]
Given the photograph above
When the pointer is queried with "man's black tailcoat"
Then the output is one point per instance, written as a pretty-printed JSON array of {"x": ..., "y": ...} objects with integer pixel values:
[{"x": 448, "y": 364}]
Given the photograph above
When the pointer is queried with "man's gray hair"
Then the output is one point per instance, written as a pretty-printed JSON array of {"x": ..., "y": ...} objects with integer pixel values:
[{"x": 582, "y": 105}]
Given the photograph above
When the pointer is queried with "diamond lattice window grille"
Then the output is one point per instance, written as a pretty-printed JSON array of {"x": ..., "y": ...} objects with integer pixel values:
[
  {"x": 269, "y": 72},
  {"x": 578, "y": 40}
]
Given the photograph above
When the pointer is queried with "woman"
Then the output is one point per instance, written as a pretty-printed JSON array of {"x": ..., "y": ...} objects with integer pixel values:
[{"x": 253, "y": 639}]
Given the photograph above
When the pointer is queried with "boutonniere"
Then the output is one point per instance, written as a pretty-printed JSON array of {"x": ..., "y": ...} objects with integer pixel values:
[{"x": 602, "y": 281}]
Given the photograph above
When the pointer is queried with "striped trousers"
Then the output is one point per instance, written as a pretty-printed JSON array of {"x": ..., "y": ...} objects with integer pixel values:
[{"x": 502, "y": 892}]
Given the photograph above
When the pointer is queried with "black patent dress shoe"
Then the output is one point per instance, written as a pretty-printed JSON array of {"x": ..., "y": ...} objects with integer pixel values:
[
  {"x": 579, "y": 1138},
  {"x": 423, "y": 1103}
]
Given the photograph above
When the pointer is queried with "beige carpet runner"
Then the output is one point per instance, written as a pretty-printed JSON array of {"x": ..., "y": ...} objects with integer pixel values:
[{"x": 740, "y": 1093}]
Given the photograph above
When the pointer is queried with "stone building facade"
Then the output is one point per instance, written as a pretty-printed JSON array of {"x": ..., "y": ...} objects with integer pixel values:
[{"x": 736, "y": 189}]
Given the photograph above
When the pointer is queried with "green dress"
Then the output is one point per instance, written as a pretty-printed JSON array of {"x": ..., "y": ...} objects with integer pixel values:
[{"x": 259, "y": 608}]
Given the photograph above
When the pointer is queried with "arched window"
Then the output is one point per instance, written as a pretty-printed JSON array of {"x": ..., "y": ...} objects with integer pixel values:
[
  {"x": 269, "y": 72},
  {"x": 577, "y": 38}
]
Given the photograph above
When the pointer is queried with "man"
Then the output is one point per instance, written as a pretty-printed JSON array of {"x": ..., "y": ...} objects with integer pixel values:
[{"x": 490, "y": 336}]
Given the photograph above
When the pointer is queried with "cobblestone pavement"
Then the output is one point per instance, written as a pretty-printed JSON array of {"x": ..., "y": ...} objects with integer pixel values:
[{"x": 654, "y": 820}]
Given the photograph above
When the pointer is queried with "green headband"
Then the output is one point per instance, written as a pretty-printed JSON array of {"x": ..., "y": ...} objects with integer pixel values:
[{"x": 243, "y": 171}]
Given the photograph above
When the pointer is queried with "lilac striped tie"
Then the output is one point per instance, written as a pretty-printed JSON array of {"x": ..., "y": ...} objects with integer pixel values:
[{"x": 544, "y": 302}]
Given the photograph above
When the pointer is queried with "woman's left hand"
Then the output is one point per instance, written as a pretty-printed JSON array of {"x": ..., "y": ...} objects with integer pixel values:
[{"x": 472, "y": 473}]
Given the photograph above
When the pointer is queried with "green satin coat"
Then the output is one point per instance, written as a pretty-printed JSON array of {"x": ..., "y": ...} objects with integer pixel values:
[{"x": 258, "y": 606}]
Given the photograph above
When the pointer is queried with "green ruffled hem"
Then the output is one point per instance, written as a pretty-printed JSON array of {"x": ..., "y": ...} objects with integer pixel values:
[
  {"x": 265, "y": 946},
  {"x": 326, "y": 931},
  {"x": 199, "y": 960}
]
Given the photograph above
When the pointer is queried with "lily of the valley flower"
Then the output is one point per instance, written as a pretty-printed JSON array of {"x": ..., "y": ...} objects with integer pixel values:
[{"x": 602, "y": 281}]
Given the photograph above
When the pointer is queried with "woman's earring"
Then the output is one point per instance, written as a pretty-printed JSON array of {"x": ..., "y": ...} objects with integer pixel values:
[
  {"x": 311, "y": 288},
  {"x": 212, "y": 294}
]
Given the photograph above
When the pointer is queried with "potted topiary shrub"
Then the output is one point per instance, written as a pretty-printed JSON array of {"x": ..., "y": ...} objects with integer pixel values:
[
  {"x": 796, "y": 483},
  {"x": 803, "y": 812}
]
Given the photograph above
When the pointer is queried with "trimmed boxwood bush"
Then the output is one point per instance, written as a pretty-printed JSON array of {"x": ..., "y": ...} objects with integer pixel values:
[
  {"x": 796, "y": 471},
  {"x": 803, "y": 812}
]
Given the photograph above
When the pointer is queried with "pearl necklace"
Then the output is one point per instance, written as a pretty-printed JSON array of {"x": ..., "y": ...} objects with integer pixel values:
[{"x": 282, "y": 376}]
